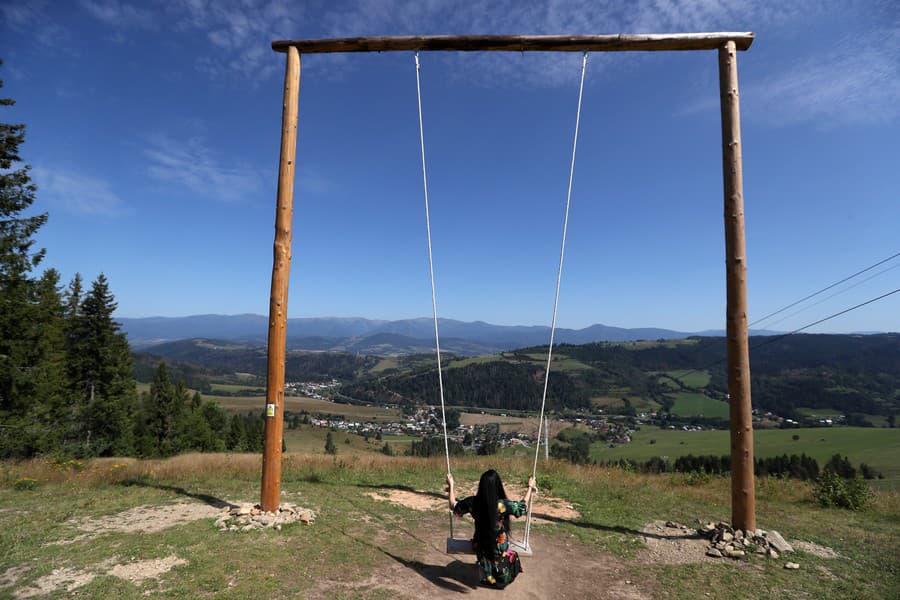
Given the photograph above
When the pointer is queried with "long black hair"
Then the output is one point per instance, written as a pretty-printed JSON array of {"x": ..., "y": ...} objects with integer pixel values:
[{"x": 490, "y": 492}]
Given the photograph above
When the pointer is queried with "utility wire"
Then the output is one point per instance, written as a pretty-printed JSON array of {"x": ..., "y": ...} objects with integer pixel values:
[
  {"x": 837, "y": 293},
  {"x": 825, "y": 289},
  {"x": 828, "y": 318},
  {"x": 774, "y": 339}
]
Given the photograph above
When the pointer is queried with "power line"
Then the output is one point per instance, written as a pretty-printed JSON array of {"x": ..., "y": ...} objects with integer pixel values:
[
  {"x": 837, "y": 293},
  {"x": 781, "y": 337},
  {"x": 825, "y": 289},
  {"x": 828, "y": 318}
]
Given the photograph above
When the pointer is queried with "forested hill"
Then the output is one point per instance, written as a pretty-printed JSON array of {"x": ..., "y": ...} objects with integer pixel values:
[{"x": 850, "y": 374}]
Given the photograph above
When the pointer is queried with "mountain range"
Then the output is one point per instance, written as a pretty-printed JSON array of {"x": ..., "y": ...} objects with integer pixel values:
[{"x": 381, "y": 337}]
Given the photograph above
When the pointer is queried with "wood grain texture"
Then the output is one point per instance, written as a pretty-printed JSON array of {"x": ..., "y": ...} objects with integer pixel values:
[
  {"x": 278, "y": 299},
  {"x": 743, "y": 499}
]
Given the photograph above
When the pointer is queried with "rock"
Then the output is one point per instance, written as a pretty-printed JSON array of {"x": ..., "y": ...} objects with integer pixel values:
[
  {"x": 278, "y": 527},
  {"x": 791, "y": 565},
  {"x": 738, "y": 534},
  {"x": 736, "y": 553},
  {"x": 775, "y": 540},
  {"x": 713, "y": 552},
  {"x": 673, "y": 524},
  {"x": 247, "y": 528},
  {"x": 771, "y": 553},
  {"x": 727, "y": 537},
  {"x": 245, "y": 509}
]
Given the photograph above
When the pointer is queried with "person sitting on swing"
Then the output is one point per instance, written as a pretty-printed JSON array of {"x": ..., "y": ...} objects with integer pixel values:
[{"x": 498, "y": 565}]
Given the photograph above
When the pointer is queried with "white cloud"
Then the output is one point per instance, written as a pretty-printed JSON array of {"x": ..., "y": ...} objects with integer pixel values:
[
  {"x": 239, "y": 32},
  {"x": 34, "y": 18},
  {"x": 855, "y": 82},
  {"x": 193, "y": 165},
  {"x": 119, "y": 14},
  {"x": 78, "y": 193}
]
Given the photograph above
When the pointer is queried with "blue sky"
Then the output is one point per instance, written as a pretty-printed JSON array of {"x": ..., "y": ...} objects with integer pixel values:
[{"x": 153, "y": 132}]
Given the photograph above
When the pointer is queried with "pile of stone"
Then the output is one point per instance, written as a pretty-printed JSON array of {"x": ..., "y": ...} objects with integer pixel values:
[
  {"x": 726, "y": 542},
  {"x": 247, "y": 517}
]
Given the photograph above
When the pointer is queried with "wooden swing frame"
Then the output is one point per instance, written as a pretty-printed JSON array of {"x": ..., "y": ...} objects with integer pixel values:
[{"x": 743, "y": 501}]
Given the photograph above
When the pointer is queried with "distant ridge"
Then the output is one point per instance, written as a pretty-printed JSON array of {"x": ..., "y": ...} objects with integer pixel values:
[{"x": 374, "y": 336}]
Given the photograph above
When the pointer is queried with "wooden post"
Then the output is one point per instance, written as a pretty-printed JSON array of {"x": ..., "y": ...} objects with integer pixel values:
[
  {"x": 743, "y": 498},
  {"x": 278, "y": 299}
]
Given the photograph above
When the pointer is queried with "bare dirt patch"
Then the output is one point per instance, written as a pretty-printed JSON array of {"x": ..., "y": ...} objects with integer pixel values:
[
  {"x": 557, "y": 570},
  {"x": 673, "y": 545},
  {"x": 546, "y": 509},
  {"x": 60, "y": 579},
  {"x": 11, "y": 576},
  {"x": 148, "y": 519},
  {"x": 70, "y": 578},
  {"x": 137, "y": 572}
]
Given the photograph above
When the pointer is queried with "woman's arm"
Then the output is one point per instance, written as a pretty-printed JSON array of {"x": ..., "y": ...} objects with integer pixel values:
[
  {"x": 532, "y": 487},
  {"x": 452, "y": 496}
]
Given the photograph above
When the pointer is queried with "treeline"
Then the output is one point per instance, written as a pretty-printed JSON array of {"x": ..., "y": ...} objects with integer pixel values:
[
  {"x": 170, "y": 420},
  {"x": 199, "y": 360},
  {"x": 66, "y": 382},
  {"x": 488, "y": 385},
  {"x": 802, "y": 467},
  {"x": 854, "y": 374}
]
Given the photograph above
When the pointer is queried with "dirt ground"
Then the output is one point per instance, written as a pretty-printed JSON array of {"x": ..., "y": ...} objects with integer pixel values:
[
  {"x": 546, "y": 509},
  {"x": 560, "y": 568}
]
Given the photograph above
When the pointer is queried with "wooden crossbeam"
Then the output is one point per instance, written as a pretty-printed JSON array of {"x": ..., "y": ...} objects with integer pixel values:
[{"x": 522, "y": 43}]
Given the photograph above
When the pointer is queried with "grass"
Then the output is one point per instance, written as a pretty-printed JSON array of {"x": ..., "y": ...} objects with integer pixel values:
[
  {"x": 692, "y": 379},
  {"x": 235, "y": 387},
  {"x": 243, "y": 404},
  {"x": 825, "y": 413},
  {"x": 358, "y": 544},
  {"x": 693, "y": 403},
  {"x": 879, "y": 448}
]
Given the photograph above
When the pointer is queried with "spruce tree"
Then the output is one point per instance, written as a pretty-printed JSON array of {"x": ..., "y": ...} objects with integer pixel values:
[
  {"x": 161, "y": 415},
  {"x": 19, "y": 296},
  {"x": 103, "y": 381}
]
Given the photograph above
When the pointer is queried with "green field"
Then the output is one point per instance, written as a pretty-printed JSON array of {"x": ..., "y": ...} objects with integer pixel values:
[
  {"x": 693, "y": 403},
  {"x": 824, "y": 413},
  {"x": 692, "y": 379},
  {"x": 243, "y": 404},
  {"x": 879, "y": 448},
  {"x": 236, "y": 387},
  {"x": 311, "y": 440}
]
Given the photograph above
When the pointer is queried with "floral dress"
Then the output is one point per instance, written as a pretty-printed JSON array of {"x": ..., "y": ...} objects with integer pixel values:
[{"x": 499, "y": 565}]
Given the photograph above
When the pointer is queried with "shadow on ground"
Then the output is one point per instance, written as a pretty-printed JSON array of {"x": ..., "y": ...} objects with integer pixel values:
[{"x": 208, "y": 499}]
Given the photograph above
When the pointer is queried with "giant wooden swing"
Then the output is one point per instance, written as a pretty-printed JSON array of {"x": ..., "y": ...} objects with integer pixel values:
[{"x": 743, "y": 502}]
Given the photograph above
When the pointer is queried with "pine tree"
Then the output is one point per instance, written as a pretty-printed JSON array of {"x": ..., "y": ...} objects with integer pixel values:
[
  {"x": 103, "y": 380},
  {"x": 237, "y": 434},
  {"x": 330, "y": 448},
  {"x": 160, "y": 415},
  {"x": 19, "y": 296}
]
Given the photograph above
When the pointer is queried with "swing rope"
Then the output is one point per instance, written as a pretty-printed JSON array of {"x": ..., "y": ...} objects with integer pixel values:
[
  {"x": 562, "y": 252},
  {"x": 437, "y": 338}
]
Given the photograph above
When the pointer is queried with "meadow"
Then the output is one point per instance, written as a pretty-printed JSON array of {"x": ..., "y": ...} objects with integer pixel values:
[
  {"x": 65, "y": 535},
  {"x": 879, "y": 448},
  {"x": 244, "y": 404}
]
